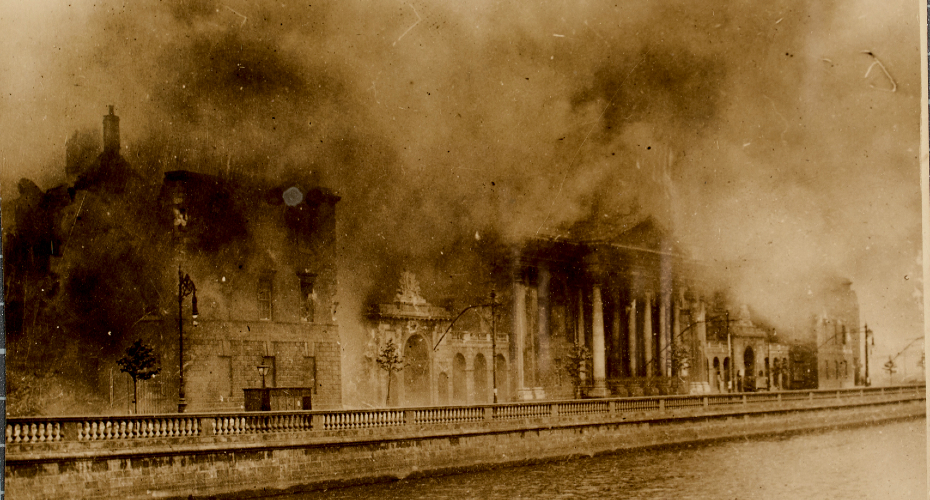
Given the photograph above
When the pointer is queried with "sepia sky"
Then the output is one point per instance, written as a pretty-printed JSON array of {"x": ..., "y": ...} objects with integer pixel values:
[{"x": 779, "y": 139}]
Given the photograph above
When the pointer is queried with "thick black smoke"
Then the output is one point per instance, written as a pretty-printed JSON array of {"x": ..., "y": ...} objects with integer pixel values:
[{"x": 747, "y": 130}]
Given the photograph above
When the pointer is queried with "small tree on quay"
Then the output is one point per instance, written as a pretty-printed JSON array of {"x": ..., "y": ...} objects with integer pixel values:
[
  {"x": 141, "y": 363},
  {"x": 891, "y": 367},
  {"x": 389, "y": 360},
  {"x": 577, "y": 359}
]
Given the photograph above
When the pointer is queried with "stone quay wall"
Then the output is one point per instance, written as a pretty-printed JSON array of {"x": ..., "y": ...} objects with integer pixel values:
[{"x": 261, "y": 453}]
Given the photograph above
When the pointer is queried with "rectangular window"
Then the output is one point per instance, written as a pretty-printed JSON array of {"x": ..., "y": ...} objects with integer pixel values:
[
  {"x": 264, "y": 297},
  {"x": 271, "y": 371},
  {"x": 307, "y": 298}
]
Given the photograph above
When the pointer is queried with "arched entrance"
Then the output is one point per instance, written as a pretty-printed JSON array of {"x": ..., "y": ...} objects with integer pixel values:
[
  {"x": 458, "y": 380},
  {"x": 416, "y": 373},
  {"x": 749, "y": 369},
  {"x": 481, "y": 380},
  {"x": 727, "y": 383}
]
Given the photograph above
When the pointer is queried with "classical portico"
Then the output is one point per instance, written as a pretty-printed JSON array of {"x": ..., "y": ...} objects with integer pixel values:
[{"x": 624, "y": 300}]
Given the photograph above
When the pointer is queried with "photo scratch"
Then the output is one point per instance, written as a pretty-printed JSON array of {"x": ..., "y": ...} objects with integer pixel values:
[{"x": 402, "y": 35}]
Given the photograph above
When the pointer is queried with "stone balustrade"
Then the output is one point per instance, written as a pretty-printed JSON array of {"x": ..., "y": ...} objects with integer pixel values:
[{"x": 27, "y": 430}]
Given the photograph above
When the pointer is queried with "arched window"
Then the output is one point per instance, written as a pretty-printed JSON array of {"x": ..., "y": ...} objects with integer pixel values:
[
  {"x": 416, "y": 373},
  {"x": 726, "y": 370}
]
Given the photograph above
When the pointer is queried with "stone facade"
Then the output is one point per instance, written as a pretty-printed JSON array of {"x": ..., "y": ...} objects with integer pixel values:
[
  {"x": 96, "y": 264},
  {"x": 760, "y": 361},
  {"x": 444, "y": 366},
  {"x": 266, "y": 299}
]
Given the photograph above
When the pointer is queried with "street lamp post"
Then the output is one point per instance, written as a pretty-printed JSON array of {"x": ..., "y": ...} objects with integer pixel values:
[
  {"x": 266, "y": 397},
  {"x": 868, "y": 381},
  {"x": 185, "y": 287},
  {"x": 768, "y": 362},
  {"x": 732, "y": 383},
  {"x": 494, "y": 343}
]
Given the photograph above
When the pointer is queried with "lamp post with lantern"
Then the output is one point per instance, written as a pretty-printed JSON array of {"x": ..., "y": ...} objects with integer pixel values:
[
  {"x": 266, "y": 397},
  {"x": 185, "y": 287}
]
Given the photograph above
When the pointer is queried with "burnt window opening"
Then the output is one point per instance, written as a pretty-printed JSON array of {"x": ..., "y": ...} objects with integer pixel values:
[
  {"x": 264, "y": 297},
  {"x": 307, "y": 298}
]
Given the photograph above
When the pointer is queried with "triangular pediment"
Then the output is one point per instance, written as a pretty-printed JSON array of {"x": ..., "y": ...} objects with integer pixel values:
[{"x": 647, "y": 234}]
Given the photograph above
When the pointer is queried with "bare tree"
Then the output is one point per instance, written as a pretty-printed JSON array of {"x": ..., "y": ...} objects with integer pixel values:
[
  {"x": 140, "y": 363},
  {"x": 891, "y": 368},
  {"x": 390, "y": 361}
]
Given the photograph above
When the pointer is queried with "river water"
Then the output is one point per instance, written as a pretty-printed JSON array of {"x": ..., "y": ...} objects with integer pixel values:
[{"x": 886, "y": 461}]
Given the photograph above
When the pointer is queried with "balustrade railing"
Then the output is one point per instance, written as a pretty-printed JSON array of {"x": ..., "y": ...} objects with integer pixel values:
[
  {"x": 523, "y": 410},
  {"x": 584, "y": 408},
  {"x": 28, "y": 430},
  {"x": 683, "y": 402},
  {"x": 451, "y": 415}
]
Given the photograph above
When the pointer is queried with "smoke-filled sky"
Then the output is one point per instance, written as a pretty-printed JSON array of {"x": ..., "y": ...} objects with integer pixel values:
[{"x": 780, "y": 138}]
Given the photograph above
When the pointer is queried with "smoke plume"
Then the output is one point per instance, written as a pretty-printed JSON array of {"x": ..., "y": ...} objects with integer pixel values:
[{"x": 748, "y": 131}]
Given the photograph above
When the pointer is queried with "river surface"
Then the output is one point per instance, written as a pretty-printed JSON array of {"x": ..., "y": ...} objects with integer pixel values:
[{"x": 886, "y": 461}]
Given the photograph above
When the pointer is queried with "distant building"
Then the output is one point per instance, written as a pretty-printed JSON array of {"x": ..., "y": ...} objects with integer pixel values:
[
  {"x": 840, "y": 341},
  {"x": 743, "y": 356}
]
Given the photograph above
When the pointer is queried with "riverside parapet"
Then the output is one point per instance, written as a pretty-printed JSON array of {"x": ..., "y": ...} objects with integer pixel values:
[{"x": 216, "y": 454}]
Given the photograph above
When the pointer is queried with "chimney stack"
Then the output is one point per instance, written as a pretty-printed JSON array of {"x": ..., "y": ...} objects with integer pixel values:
[{"x": 110, "y": 132}]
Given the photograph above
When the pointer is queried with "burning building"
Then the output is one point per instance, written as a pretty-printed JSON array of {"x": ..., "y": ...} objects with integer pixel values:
[
  {"x": 648, "y": 315},
  {"x": 627, "y": 294},
  {"x": 95, "y": 265}
]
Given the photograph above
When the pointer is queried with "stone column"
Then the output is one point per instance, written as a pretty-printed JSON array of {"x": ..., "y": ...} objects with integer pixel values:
[
  {"x": 616, "y": 360},
  {"x": 676, "y": 331},
  {"x": 532, "y": 331},
  {"x": 648, "y": 336},
  {"x": 700, "y": 344},
  {"x": 543, "y": 369},
  {"x": 597, "y": 327},
  {"x": 631, "y": 338},
  {"x": 664, "y": 368},
  {"x": 433, "y": 378},
  {"x": 519, "y": 335},
  {"x": 579, "y": 328}
]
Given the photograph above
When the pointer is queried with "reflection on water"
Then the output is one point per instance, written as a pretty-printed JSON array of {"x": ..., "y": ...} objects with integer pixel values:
[{"x": 878, "y": 462}]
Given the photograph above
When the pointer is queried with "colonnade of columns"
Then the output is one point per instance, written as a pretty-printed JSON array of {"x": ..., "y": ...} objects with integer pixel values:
[{"x": 653, "y": 325}]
